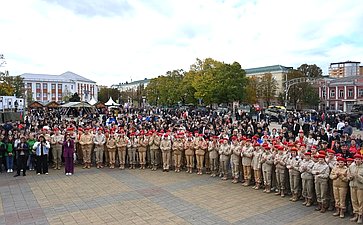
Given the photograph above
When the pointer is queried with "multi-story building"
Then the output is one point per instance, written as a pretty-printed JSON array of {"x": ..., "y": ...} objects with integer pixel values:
[
  {"x": 278, "y": 73},
  {"x": 341, "y": 93},
  {"x": 345, "y": 69},
  {"x": 132, "y": 86},
  {"x": 46, "y": 88}
]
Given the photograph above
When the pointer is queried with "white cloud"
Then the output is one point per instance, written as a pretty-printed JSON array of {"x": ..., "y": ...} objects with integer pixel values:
[{"x": 119, "y": 40}]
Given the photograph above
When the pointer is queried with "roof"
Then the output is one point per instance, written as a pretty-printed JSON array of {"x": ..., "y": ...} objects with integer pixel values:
[
  {"x": 267, "y": 69},
  {"x": 344, "y": 62},
  {"x": 76, "y": 105},
  {"x": 346, "y": 79},
  {"x": 64, "y": 77},
  {"x": 136, "y": 82}
]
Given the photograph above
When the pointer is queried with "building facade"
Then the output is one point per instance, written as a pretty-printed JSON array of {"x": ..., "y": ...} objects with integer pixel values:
[
  {"x": 132, "y": 86},
  {"x": 345, "y": 69},
  {"x": 278, "y": 72},
  {"x": 46, "y": 88},
  {"x": 341, "y": 93}
]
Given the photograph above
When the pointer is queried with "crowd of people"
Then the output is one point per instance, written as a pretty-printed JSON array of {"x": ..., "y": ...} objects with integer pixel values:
[{"x": 316, "y": 161}]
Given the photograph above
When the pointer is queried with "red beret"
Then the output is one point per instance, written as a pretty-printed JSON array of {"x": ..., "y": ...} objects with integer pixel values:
[
  {"x": 256, "y": 144},
  {"x": 357, "y": 156},
  {"x": 322, "y": 152},
  {"x": 321, "y": 156},
  {"x": 313, "y": 147},
  {"x": 201, "y": 135},
  {"x": 80, "y": 129},
  {"x": 234, "y": 138},
  {"x": 290, "y": 144},
  {"x": 280, "y": 148},
  {"x": 267, "y": 147},
  {"x": 350, "y": 159},
  {"x": 70, "y": 129},
  {"x": 331, "y": 151},
  {"x": 341, "y": 159},
  {"x": 307, "y": 153},
  {"x": 294, "y": 149}
]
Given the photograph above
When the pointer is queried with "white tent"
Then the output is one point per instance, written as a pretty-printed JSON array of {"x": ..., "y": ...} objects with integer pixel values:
[
  {"x": 111, "y": 102},
  {"x": 92, "y": 101}
]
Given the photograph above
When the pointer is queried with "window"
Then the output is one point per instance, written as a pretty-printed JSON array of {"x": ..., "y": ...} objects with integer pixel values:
[
  {"x": 38, "y": 85},
  {"x": 38, "y": 95},
  {"x": 53, "y": 95},
  {"x": 360, "y": 92},
  {"x": 72, "y": 86},
  {"x": 53, "y": 86},
  {"x": 44, "y": 95},
  {"x": 59, "y": 86},
  {"x": 341, "y": 93},
  {"x": 332, "y": 93},
  {"x": 350, "y": 92},
  {"x": 45, "y": 85},
  {"x": 59, "y": 96}
]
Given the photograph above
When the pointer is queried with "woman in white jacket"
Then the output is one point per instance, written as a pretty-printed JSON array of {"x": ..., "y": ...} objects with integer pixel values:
[{"x": 41, "y": 148}]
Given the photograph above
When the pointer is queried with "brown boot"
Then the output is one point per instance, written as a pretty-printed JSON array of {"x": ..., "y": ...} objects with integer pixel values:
[
  {"x": 355, "y": 218},
  {"x": 323, "y": 208},
  {"x": 295, "y": 198},
  {"x": 257, "y": 186},
  {"x": 282, "y": 193},
  {"x": 360, "y": 219},
  {"x": 85, "y": 166},
  {"x": 278, "y": 193},
  {"x": 268, "y": 189},
  {"x": 341, "y": 213},
  {"x": 305, "y": 201},
  {"x": 55, "y": 166},
  {"x": 318, "y": 208},
  {"x": 246, "y": 184},
  {"x": 309, "y": 203},
  {"x": 337, "y": 212}
]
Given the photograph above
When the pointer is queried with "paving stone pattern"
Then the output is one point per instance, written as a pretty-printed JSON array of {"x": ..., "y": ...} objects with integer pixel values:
[{"x": 144, "y": 197}]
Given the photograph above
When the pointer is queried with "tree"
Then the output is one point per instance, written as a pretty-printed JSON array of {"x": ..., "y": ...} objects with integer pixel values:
[
  {"x": 75, "y": 98},
  {"x": 251, "y": 90},
  {"x": 296, "y": 91},
  {"x": 267, "y": 87},
  {"x": 105, "y": 93},
  {"x": 18, "y": 84},
  {"x": 311, "y": 96},
  {"x": 310, "y": 70},
  {"x": 6, "y": 87}
]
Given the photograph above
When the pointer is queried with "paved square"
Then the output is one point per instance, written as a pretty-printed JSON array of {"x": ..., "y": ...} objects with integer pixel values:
[{"x": 113, "y": 196}]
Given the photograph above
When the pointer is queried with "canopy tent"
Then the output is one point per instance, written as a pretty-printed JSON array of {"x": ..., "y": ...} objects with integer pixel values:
[
  {"x": 35, "y": 105},
  {"x": 76, "y": 107},
  {"x": 92, "y": 101},
  {"x": 111, "y": 102},
  {"x": 52, "y": 104}
]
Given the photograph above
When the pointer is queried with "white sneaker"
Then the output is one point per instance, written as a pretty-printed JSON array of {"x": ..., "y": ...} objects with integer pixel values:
[
  {"x": 11, "y": 170},
  {"x": 70, "y": 174},
  {"x": 8, "y": 171},
  {"x": 38, "y": 173},
  {"x": 46, "y": 173},
  {"x": 67, "y": 174}
]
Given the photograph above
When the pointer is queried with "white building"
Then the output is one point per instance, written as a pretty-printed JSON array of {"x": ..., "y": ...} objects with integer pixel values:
[
  {"x": 132, "y": 86},
  {"x": 10, "y": 103},
  {"x": 46, "y": 88}
]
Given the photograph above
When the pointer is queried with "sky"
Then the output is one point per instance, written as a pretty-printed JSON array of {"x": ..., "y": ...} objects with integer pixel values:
[{"x": 114, "y": 41}]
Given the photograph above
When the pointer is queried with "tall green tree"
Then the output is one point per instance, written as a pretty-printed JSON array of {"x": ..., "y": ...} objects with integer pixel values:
[
  {"x": 267, "y": 87},
  {"x": 105, "y": 93},
  {"x": 75, "y": 98},
  {"x": 312, "y": 71},
  {"x": 251, "y": 90}
]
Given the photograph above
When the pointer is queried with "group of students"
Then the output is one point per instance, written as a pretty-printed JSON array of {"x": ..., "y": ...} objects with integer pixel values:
[{"x": 331, "y": 177}]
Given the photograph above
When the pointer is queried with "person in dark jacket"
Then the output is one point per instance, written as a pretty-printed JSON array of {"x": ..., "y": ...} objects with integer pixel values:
[{"x": 22, "y": 152}]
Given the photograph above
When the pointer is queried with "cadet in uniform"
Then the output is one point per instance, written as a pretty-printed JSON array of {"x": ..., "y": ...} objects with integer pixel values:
[
  {"x": 224, "y": 154},
  {"x": 165, "y": 146},
  {"x": 256, "y": 164},
  {"x": 143, "y": 141},
  {"x": 267, "y": 161},
  {"x": 99, "y": 140},
  {"x": 321, "y": 175},
  {"x": 134, "y": 141},
  {"x": 56, "y": 142},
  {"x": 339, "y": 175},
  {"x": 122, "y": 144},
  {"x": 189, "y": 153},
  {"x": 111, "y": 145},
  {"x": 293, "y": 165},
  {"x": 213, "y": 155},
  {"x": 280, "y": 163},
  {"x": 235, "y": 158},
  {"x": 154, "y": 143},
  {"x": 355, "y": 176},
  {"x": 86, "y": 142},
  {"x": 246, "y": 154},
  {"x": 305, "y": 169}
]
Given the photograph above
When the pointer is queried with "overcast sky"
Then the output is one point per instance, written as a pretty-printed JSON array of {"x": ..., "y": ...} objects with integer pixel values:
[{"x": 112, "y": 41}]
